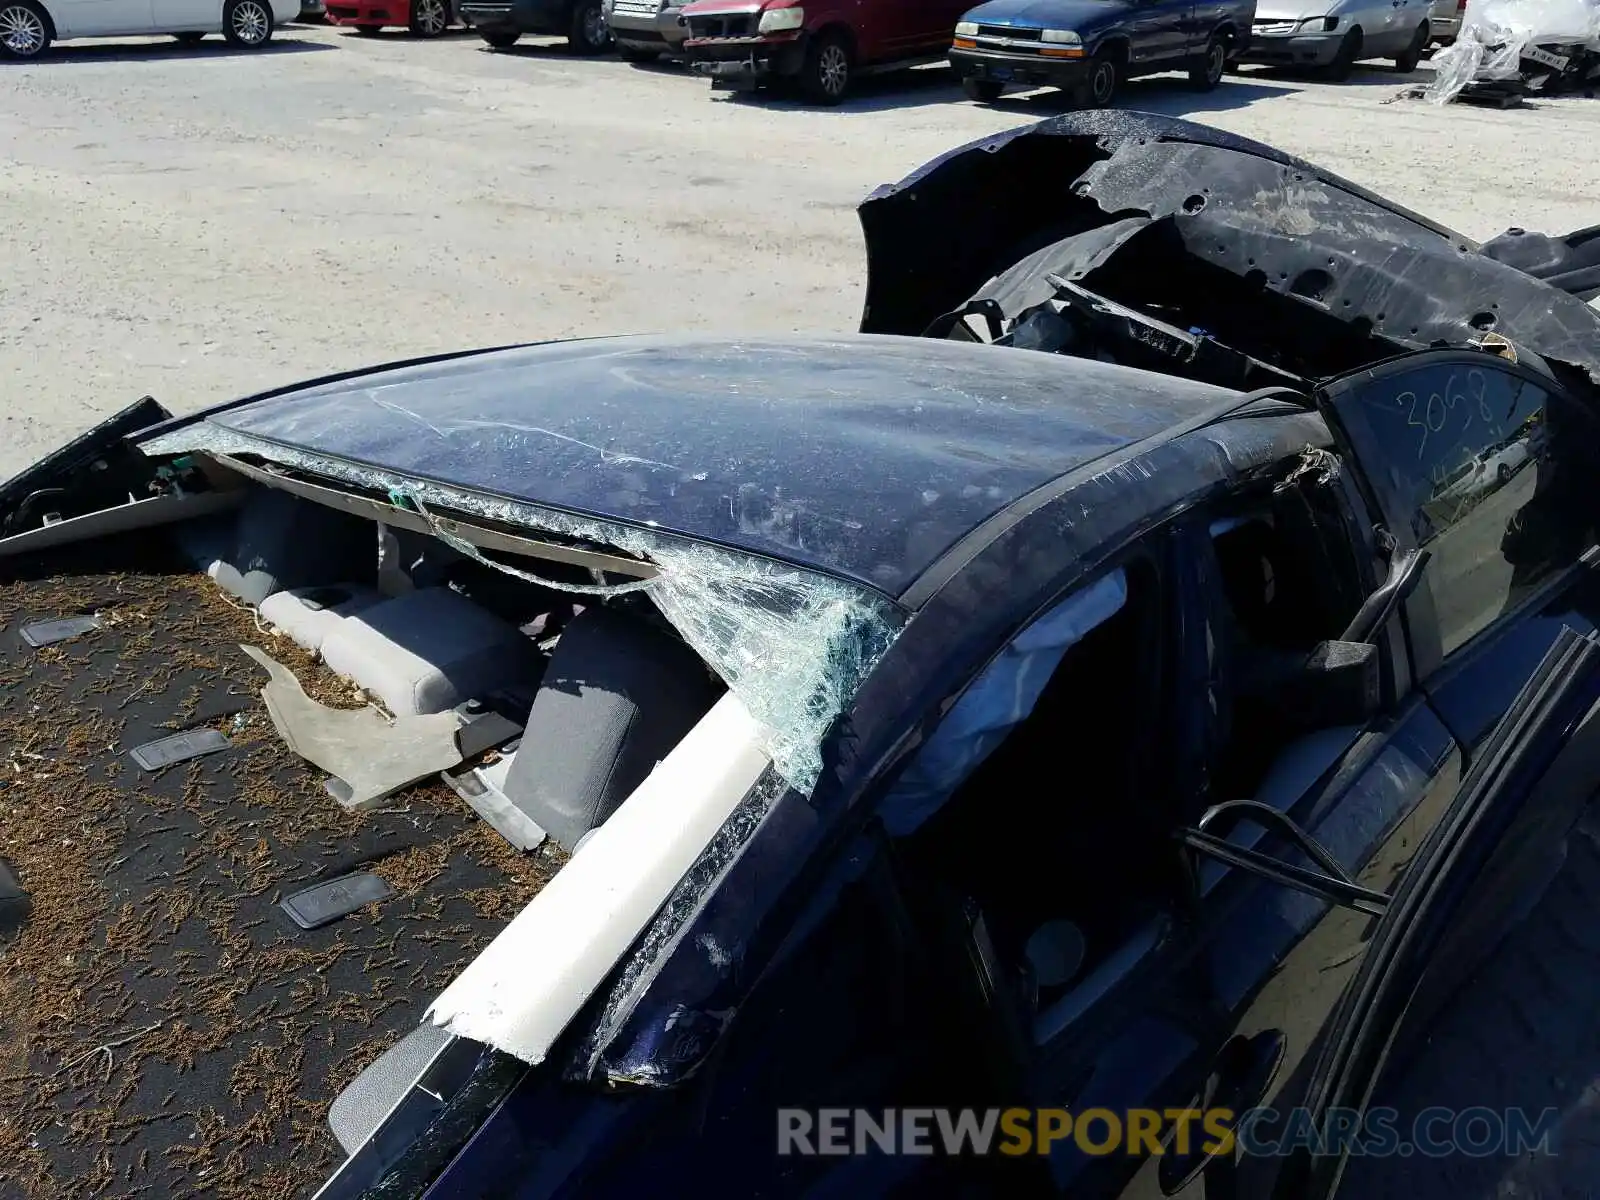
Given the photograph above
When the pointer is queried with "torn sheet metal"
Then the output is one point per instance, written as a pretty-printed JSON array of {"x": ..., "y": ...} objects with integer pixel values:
[
  {"x": 1301, "y": 239},
  {"x": 372, "y": 756},
  {"x": 792, "y": 644},
  {"x": 528, "y": 984}
]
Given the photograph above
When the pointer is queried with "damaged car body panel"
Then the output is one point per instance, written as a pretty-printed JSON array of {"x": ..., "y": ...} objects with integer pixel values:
[
  {"x": 1283, "y": 250},
  {"x": 1064, "y": 728},
  {"x": 825, "y": 466}
]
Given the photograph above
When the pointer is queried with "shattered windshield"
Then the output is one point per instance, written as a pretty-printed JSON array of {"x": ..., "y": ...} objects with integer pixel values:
[{"x": 793, "y": 645}]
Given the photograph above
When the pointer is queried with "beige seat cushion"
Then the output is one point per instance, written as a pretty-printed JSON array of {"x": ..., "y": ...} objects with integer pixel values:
[
  {"x": 310, "y": 615},
  {"x": 427, "y": 651}
]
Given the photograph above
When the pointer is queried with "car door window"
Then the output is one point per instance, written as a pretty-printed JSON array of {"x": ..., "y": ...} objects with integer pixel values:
[
  {"x": 1485, "y": 466},
  {"x": 1035, "y": 799}
]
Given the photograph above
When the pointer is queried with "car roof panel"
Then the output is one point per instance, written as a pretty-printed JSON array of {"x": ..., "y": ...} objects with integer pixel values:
[{"x": 864, "y": 456}]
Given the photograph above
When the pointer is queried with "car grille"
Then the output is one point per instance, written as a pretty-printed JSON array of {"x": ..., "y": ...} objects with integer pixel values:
[
  {"x": 1274, "y": 28},
  {"x": 636, "y": 8},
  {"x": 1005, "y": 31},
  {"x": 1013, "y": 41},
  {"x": 729, "y": 25}
]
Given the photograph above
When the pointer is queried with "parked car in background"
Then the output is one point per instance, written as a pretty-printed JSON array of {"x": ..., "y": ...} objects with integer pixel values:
[
  {"x": 1333, "y": 37},
  {"x": 1444, "y": 20},
  {"x": 644, "y": 30},
  {"x": 423, "y": 18},
  {"x": 822, "y": 47},
  {"x": 313, "y": 10},
  {"x": 502, "y": 22},
  {"x": 28, "y": 27},
  {"x": 1089, "y": 47}
]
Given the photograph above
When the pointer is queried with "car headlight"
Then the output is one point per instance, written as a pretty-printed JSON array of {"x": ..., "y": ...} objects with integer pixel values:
[
  {"x": 1061, "y": 37},
  {"x": 781, "y": 20},
  {"x": 1319, "y": 24},
  {"x": 966, "y": 29}
]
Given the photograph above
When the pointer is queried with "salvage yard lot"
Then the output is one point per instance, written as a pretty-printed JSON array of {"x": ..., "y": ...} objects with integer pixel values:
[{"x": 199, "y": 224}]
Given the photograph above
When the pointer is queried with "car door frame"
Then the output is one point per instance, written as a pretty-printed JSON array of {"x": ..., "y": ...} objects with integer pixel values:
[
  {"x": 1534, "y": 778},
  {"x": 1518, "y": 830},
  {"x": 1151, "y": 47},
  {"x": 1156, "y": 956},
  {"x": 1430, "y": 664}
]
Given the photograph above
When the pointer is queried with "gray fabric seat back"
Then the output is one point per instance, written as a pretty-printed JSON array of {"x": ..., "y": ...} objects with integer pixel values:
[
  {"x": 284, "y": 542},
  {"x": 617, "y": 697}
]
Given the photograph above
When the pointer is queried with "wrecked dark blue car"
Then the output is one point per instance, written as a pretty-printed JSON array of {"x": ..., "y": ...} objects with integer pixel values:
[{"x": 1145, "y": 669}]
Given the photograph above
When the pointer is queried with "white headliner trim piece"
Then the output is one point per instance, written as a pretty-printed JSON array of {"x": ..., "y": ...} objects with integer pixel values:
[
  {"x": 528, "y": 984},
  {"x": 136, "y": 514}
]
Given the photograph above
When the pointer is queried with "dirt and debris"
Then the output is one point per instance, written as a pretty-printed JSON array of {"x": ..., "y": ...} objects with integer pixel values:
[{"x": 165, "y": 1030}]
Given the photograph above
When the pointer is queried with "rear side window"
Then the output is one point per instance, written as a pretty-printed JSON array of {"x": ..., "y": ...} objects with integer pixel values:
[{"x": 1487, "y": 469}]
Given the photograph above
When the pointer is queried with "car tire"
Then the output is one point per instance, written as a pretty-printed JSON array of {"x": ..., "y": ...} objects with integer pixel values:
[
  {"x": 1206, "y": 71},
  {"x": 984, "y": 91},
  {"x": 25, "y": 29},
  {"x": 630, "y": 55},
  {"x": 429, "y": 18},
  {"x": 247, "y": 23},
  {"x": 1105, "y": 78},
  {"x": 368, "y": 30},
  {"x": 1344, "y": 61},
  {"x": 1408, "y": 61},
  {"x": 587, "y": 33},
  {"x": 189, "y": 38},
  {"x": 826, "y": 72},
  {"x": 501, "y": 40}
]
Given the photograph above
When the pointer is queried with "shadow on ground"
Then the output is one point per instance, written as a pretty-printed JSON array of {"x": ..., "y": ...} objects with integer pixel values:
[{"x": 164, "y": 51}]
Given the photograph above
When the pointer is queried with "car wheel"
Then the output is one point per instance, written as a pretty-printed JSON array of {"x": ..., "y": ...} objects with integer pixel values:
[
  {"x": 368, "y": 30},
  {"x": 1206, "y": 71},
  {"x": 24, "y": 29},
  {"x": 247, "y": 22},
  {"x": 189, "y": 38},
  {"x": 501, "y": 40},
  {"x": 984, "y": 91},
  {"x": 638, "y": 56},
  {"x": 1344, "y": 62},
  {"x": 589, "y": 33},
  {"x": 825, "y": 74},
  {"x": 1104, "y": 79},
  {"x": 1408, "y": 60},
  {"x": 429, "y": 18},
  {"x": 1503, "y": 473}
]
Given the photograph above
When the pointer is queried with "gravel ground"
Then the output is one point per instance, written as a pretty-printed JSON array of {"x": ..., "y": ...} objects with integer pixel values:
[{"x": 197, "y": 224}]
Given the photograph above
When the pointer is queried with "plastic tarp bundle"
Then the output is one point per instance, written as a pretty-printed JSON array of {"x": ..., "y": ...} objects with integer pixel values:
[
  {"x": 996, "y": 703},
  {"x": 1496, "y": 33}
]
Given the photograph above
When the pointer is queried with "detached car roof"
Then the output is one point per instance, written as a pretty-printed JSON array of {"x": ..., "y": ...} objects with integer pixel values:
[{"x": 863, "y": 456}]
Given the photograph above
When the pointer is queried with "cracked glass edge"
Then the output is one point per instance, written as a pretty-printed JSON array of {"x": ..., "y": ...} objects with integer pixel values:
[{"x": 793, "y": 645}]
